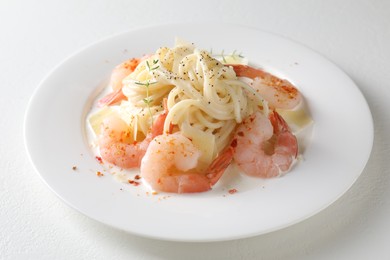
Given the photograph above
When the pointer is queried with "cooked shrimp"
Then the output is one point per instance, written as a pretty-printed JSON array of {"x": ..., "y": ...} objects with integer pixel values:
[
  {"x": 112, "y": 98},
  {"x": 279, "y": 93},
  {"x": 118, "y": 74},
  {"x": 265, "y": 146},
  {"x": 122, "y": 71},
  {"x": 117, "y": 145},
  {"x": 170, "y": 162}
]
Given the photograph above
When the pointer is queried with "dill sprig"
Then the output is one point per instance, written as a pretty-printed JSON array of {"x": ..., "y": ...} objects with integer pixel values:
[
  {"x": 235, "y": 55},
  {"x": 152, "y": 67},
  {"x": 223, "y": 56},
  {"x": 148, "y": 100}
]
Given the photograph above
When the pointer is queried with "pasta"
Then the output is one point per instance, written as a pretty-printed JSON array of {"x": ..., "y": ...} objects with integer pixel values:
[
  {"x": 182, "y": 117},
  {"x": 205, "y": 99}
]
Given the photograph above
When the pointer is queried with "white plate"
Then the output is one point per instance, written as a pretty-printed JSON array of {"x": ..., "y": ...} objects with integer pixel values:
[{"x": 341, "y": 141}]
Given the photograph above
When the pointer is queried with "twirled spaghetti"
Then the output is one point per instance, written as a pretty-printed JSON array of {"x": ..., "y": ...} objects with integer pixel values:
[{"x": 205, "y": 99}]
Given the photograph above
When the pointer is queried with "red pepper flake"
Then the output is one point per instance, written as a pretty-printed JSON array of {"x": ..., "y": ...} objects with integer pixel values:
[
  {"x": 232, "y": 191},
  {"x": 99, "y": 174},
  {"x": 163, "y": 198},
  {"x": 100, "y": 160},
  {"x": 137, "y": 177},
  {"x": 135, "y": 183}
]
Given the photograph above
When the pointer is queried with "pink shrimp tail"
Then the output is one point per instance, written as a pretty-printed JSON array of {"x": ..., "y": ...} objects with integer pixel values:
[
  {"x": 247, "y": 71},
  {"x": 189, "y": 183},
  {"x": 286, "y": 142},
  {"x": 219, "y": 165},
  {"x": 112, "y": 98},
  {"x": 158, "y": 125}
]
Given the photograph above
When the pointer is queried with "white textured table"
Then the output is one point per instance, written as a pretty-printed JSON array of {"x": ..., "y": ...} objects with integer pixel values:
[{"x": 37, "y": 35}]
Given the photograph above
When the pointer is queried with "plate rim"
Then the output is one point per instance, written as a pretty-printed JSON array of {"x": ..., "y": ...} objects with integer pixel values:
[{"x": 81, "y": 50}]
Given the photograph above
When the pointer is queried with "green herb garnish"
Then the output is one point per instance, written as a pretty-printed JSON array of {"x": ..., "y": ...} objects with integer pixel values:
[
  {"x": 153, "y": 66},
  {"x": 148, "y": 100}
]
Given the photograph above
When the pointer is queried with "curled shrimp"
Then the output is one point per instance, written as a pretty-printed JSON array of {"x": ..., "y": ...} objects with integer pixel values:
[
  {"x": 122, "y": 71},
  {"x": 117, "y": 146},
  {"x": 118, "y": 74},
  {"x": 169, "y": 165},
  {"x": 279, "y": 93},
  {"x": 265, "y": 146}
]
